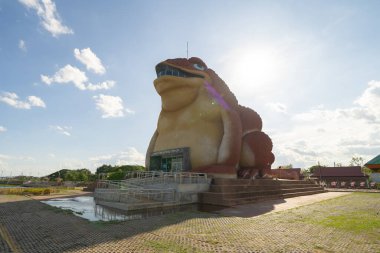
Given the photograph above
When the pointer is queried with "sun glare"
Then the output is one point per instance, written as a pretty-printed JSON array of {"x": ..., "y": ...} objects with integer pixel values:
[{"x": 254, "y": 68}]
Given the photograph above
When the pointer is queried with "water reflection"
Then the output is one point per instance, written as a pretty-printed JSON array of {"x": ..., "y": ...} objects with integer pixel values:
[{"x": 86, "y": 208}]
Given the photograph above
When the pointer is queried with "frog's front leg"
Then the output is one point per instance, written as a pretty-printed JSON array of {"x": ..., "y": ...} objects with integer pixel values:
[{"x": 230, "y": 146}]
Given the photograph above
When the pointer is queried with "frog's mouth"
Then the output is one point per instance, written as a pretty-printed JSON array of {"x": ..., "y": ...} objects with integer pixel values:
[{"x": 167, "y": 70}]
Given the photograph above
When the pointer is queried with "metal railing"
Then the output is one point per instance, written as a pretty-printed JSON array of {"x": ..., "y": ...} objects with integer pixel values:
[
  {"x": 115, "y": 184},
  {"x": 139, "y": 179},
  {"x": 142, "y": 177}
]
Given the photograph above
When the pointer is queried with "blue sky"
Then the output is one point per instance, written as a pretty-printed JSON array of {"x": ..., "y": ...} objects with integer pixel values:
[{"x": 76, "y": 77}]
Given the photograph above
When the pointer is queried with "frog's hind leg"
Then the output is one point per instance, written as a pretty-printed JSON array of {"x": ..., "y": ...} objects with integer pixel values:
[{"x": 256, "y": 155}]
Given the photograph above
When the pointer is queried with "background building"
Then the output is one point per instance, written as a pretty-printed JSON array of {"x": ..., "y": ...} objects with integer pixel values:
[
  {"x": 374, "y": 166},
  {"x": 339, "y": 174}
]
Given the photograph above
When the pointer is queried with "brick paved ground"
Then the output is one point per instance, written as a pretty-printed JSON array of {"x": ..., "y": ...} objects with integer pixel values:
[{"x": 30, "y": 226}]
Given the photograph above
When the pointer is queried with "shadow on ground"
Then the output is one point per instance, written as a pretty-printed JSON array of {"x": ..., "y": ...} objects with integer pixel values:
[
  {"x": 28, "y": 225},
  {"x": 243, "y": 211}
]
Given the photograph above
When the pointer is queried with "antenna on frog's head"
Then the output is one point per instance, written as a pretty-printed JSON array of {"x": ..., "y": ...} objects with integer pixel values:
[{"x": 187, "y": 50}]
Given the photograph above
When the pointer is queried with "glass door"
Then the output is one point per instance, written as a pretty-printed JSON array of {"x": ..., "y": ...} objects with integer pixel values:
[
  {"x": 177, "y": 164},
  {"x": 166, "y": 164}
]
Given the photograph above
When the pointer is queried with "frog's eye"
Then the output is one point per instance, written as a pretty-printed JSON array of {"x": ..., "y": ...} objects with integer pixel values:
[{"x": 198, "y": 66}]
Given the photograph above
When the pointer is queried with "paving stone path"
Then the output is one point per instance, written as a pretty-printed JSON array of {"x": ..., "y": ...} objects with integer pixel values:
[{"x": 30, "y": 226}]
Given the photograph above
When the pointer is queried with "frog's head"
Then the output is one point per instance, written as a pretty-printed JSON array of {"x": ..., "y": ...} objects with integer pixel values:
[{"x": 178, "y": 81}]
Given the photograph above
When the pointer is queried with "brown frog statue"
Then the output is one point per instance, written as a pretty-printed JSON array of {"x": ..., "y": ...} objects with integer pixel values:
[{"x": 200, "y": 112}]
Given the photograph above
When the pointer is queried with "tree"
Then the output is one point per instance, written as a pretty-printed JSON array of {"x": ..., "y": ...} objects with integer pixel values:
[
  {"x": 357, "y": 161},
  {"x": 117, "y": 169},
  {"x": 366, "y": 171},
  {"x": 305, "y": 172},
  {"x": 289, "y": 166},
  {"x": 117, "y": 175},
  {"x": 312, "y": 168},
  {"x": 84, "y": 175},
  {"x": 104, "y": 169},
  {"x": 71, "y": 175}
]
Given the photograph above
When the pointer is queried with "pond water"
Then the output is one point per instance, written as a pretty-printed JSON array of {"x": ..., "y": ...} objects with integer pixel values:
[{"x": 85, "y": 207}]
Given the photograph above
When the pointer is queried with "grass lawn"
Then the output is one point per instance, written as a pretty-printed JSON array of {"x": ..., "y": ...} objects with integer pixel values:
[{"x": 358, "y": 213}]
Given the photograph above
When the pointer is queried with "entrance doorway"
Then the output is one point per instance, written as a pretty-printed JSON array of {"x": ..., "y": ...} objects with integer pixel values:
[
  {"x": 168, "y": 164},
  {"x": 175, "y": 160}
]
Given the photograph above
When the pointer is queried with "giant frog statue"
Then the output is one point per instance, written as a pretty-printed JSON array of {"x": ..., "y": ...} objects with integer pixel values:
[{"x": 200, "y": 112}]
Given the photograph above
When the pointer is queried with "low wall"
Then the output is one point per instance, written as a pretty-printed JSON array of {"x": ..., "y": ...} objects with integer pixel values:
[
  {"x": 158, "y": 195},
  {"x": 188, "y": 193}
]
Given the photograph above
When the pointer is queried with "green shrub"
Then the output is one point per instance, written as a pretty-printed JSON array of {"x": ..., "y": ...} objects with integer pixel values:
[{"x": 27, "y": 191}]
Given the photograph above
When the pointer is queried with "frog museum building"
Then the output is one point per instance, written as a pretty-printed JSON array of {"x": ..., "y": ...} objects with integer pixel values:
[
  {"x": 171, "y": 160},
  {"x": 202, "y": 129}
]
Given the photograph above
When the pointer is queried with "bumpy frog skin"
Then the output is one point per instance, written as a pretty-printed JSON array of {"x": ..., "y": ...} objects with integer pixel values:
[{"x": 200, "y": 112}]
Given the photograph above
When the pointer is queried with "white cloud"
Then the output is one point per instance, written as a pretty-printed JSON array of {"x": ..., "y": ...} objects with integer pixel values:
[
  {"x": 67, "y": 74},
  {"x": 277, "y": 107},
  {"x": 88, "y": 58},
  {"x": 370, "y": 100},
  {"x": 332, "y": 135},
  {"x": 62, "y": 130},
  {"x": 106, "y": 85},
  {"x": 70, "y": 74},
  {"x": 21, "y": 158},
  {"x": 101, "y": 158},
  {"x": 3, "y": 161},
  {"x": 4, "y": 157},
  {"x": 111, "y": 106},
  {"x": 11, "y": 165},
  {"x": 46, "y": 79},
  {"x": 13, "y": 100},
  {"x": 131, "y": 156},
  {"x": 22, "y": 45},
  {"x": 36, "y": 101},
  {"x": 47, "y": 12},
  {"x": 2, "y": 129},
  {"x": 129, "y": 111}
]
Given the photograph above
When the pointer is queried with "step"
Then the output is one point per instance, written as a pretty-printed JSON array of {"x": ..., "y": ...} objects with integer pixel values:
[
  {"x": 296, "y": 194},
  {"x": 236, "y": 188},
  {"x": 230, "y": 181},
  {"x": 254, "y": 199},
  {"x": 220, "y": 196},
  {"x": 232, "y": 194}
]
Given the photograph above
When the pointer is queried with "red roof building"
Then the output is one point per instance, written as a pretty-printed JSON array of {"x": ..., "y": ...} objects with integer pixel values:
[{"x": 339, "y": 174}]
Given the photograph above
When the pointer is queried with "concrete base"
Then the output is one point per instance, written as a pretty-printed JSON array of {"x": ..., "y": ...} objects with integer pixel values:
[
  {"x": 218, "y": 171},
  {"x": 222, "y": 175},
  {"x": 135, "y": 206},
  {"x": 232, "y": 192}
]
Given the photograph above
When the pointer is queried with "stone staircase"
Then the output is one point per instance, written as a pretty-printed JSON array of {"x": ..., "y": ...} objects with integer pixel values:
[{"x": 232, "y": 192}]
